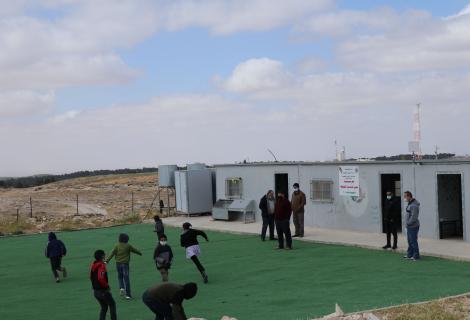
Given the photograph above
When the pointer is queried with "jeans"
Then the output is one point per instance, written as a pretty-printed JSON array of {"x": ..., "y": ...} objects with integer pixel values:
[
  {"x": 106, "y": 300},
  {"x": 123, "y": 277},
  {"x": 268, "y": 221},
  {"x": 283, "y": 228},
  {"x": 413, "y": 248},
  {"x": 162, "y": 311}
]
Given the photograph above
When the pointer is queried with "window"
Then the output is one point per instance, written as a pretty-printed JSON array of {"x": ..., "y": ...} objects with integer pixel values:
[
  {"x": 321, "y": 190},
  {"x": 233, "y": 188}
]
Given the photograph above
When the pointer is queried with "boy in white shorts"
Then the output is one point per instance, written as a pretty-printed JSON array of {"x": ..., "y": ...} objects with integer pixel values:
[{"x": 189, "y": 241}]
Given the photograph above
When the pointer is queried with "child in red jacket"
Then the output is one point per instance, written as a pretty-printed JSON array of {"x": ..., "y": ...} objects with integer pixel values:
[{"x": 99, "y": 281}]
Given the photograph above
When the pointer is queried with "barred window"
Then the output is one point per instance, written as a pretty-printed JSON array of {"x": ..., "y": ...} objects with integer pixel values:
[
  {"x": 233, "y": 188},
  {"x": 321, "y": 190}
]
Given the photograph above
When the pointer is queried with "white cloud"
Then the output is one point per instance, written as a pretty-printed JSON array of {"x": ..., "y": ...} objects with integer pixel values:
[
  {"x": 71, "y": 114},
  {"x": 224, "y": 17},
  {"x": 257, "y": 75},
  {"x": 25, "y": 103}
]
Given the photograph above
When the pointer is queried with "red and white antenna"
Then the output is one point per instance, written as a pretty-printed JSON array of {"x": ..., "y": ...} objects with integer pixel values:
[{"x": 414, "y": 146}]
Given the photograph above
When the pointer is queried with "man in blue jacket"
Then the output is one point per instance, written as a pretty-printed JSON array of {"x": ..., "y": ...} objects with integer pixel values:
[{"x": 55, "y": 250}]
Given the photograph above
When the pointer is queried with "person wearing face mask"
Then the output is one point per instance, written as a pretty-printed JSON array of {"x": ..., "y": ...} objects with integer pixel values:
[
  {"x": 391, "y": 215},
  {"x": 266, "y": 205},
  {"x": 412, "y": 226},
  {"x": 163, "y": 257},
  {"x": 298, "y": 202}
]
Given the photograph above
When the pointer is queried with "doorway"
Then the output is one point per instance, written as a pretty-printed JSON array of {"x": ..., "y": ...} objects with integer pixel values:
[
  {"x": 281, "y": 183},
  {"x": 449, "y": 204},
  {"x": 390, "y": 182}
]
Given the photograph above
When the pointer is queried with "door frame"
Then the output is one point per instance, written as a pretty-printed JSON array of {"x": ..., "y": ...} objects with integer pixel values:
[
  {"x": 462, "y": 195},
  {"x": 399, "y": 172}
]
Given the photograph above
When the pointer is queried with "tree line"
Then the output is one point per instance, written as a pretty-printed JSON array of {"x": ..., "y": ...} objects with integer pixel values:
[{"x": 38, "y": 180}]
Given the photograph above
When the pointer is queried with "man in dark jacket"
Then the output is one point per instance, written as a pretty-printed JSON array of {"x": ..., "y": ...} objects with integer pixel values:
[
  {"x": 267, "y": 205},
  {"x": 55, "y": 250},
  {"x": 282, "y": 213},
  {"x": 166, "y": 299},
  {"x": 101, "y": 290},
  {"x": 391, "y": 215}
]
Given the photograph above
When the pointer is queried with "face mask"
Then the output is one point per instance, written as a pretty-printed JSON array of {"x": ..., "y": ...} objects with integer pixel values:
[
  {"x": 163, "y": 243},
  {"x": 296, "y": 189},
  {"x": 389, "y": 197}
]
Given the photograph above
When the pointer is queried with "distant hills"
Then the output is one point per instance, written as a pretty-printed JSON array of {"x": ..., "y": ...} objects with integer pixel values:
[{"x": 37, "y": 180}]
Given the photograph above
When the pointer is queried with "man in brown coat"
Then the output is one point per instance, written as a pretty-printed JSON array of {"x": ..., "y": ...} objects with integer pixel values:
[{"x": 298, "y": 203}]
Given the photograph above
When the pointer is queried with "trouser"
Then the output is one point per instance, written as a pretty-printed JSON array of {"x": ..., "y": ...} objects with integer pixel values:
[
  {"x": 391, "y": 228},
  {"x": 268, "y": 221},
  {"x": 298, "y": 218},
  {"x": 161, "y": 310},
  {"x": 106, "y": 300},
  {"x": 413, "y": 248},
  {"x": 123, "y": 277},
  {"x": 164, "y": 273},
  {"x": 198, "y": 264},
  {"x": 56, "y": 265},
  {"x": 283, "y": 228}
]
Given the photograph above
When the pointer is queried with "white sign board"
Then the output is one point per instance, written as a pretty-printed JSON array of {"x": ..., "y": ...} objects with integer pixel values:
[{"x": 349, "y": 181}]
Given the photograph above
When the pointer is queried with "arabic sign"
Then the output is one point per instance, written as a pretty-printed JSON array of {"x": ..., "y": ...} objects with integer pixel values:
[{"x": 349, "y": 181}]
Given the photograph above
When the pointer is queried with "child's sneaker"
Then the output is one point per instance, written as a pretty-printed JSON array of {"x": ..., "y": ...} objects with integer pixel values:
[
  {"x": 57, "y": 280},
  {"x": 122, "y": 292},
  {"x": 128, "y": 298},
  {"x": 64, "y": 272}
]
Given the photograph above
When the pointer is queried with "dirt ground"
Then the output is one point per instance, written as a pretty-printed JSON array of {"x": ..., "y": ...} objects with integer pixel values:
[{"x": 106, "y": 197}]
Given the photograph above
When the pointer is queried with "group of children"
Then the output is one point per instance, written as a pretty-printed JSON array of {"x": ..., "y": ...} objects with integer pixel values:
[{"x": 162, "y": 298}]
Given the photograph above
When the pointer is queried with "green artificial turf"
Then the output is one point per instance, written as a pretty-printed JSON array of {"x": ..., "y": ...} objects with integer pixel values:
[{"x": 248, "y": 279}]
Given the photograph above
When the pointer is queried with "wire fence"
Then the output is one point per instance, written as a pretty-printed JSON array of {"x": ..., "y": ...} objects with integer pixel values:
[{"x": 87, "y": 203}]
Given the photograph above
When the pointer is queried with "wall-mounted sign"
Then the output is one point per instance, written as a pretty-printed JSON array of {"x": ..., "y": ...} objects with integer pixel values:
[{"x": 349, "y": 181}]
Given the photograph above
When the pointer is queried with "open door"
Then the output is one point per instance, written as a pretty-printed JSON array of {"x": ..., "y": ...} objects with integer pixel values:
[
  {"x": 449, "y": 203},
  {"x": 281, "y": 183},
  {"x": 390, "y": 182}
]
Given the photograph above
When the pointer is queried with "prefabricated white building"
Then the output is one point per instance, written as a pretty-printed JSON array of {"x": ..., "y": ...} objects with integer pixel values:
[{"x": 439, "y": 185}]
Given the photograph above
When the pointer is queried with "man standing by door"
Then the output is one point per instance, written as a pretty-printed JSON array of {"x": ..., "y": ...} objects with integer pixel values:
[
  {"x": 392, "y": 212},
  {"x": 282, "y": 212},
  {"x": 298, "y": 203},
  {"x": 267, "y": 204},
  {"x": 412, "y": 226}
]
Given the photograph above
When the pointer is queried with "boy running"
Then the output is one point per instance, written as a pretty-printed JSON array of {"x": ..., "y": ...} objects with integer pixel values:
[
  {"x": 55, "y": 250},
  {"x": 99, "y": 282},
  {"x": 189, "y": 241},
  {"x": 163, "y": 256}
]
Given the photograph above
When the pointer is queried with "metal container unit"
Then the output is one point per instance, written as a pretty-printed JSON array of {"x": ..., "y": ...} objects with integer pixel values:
[
  {"x": 230, "y": 209},
  {"x": 193, "y": 191},
  {"x": 166, "y": 175},
  {"x": 196, "y": 166}
]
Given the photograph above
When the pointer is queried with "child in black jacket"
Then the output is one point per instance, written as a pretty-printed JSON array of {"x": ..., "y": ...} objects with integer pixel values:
[
  {"x": 163, "y": 257},
  {"x": 159, "y": 228},
  {"x": 55, "y": 250},
  {"x": 101, "y": 290},
  {"x": 189, "y": 241}
]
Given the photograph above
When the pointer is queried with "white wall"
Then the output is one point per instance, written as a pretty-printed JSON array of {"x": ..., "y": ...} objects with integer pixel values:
[{"x": 347, "y": 213}]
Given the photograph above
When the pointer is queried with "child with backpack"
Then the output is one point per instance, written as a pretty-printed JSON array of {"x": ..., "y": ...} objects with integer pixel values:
[
  {"x": 101, "y": 290},
  {"x": 163, "y": 257},
  {"x": 122, "y": 251},
  {"x": 55, "y": 251}
]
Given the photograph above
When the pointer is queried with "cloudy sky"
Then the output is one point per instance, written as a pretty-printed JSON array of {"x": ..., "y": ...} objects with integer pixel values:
[{"x": 88, "y": 84}]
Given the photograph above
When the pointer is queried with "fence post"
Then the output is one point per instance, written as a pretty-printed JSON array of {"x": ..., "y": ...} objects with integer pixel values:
[
  {"x": 30, "y": 207},
  {"x": 77, "y": 205},
  {"x": 17, "y": 215},
  {"x": 132, "y": 202},
  {"x": 168, "y": 203}
]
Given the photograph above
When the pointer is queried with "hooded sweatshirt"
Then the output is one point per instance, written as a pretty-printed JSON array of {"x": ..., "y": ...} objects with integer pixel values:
[
  {"x": 55, "y": 247},
  {"x": 412, "y": 213},
  {"x": 99, "y": 276},
  {"x": 122, "y": 251}
]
